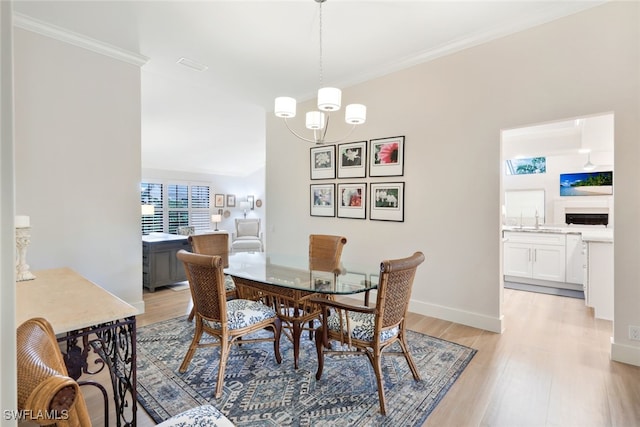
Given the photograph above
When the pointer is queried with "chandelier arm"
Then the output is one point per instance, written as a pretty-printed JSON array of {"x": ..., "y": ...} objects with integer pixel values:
[
  {"x": 326, "y": 127},
  {"x": 343, "y": 138},
  {"x": 296, "y": 134}
]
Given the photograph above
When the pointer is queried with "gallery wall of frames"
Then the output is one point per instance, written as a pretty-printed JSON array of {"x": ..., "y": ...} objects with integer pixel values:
[{"x": 357, "y": 180}]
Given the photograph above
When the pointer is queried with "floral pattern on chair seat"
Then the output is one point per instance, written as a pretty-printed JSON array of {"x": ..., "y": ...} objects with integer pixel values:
[
  {"x": 200, "y": 416},
  {"x": 242, "y": 313},
  {"x": 361, "y": 324},
  {"x": 229, "y": 284}
]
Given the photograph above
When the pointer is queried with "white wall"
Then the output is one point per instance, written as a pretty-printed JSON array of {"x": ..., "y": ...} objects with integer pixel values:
[
  {"x": 78, "y": 161},
  {"x": 451, "y": 111}
]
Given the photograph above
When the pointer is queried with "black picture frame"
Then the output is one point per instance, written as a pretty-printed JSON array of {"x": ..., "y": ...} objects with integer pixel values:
[
  {"x": 386, "y": 156},
  {"x": 351, "y": 200},
  {"x": 322, "y": 200},
  {"x": 352, "y": 160},
  {"x": 323, "y": 162},
  {"x": 386, "y": 201}
]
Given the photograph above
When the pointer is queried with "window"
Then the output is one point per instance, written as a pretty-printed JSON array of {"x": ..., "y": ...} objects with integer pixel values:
[
  {"x": 151, "y": 194},
  {"x": 176, "y": 205}
]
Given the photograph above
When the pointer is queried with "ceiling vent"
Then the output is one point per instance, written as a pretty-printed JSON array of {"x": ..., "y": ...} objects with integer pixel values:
[{"x": 194, "y": 65}]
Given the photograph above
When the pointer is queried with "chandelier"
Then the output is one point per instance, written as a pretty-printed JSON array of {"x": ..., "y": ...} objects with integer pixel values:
[{"x": 329, "y": 100}]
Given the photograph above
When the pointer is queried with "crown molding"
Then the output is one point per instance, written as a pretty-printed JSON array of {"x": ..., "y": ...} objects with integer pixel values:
[{"x": 49, "y": 30}]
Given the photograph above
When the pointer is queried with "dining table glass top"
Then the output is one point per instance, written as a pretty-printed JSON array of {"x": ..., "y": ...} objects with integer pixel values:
[{"x": 290, "y": 271}]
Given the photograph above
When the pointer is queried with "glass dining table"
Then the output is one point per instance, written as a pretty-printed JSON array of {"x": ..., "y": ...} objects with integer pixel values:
[{"x": 286, "y": 283}]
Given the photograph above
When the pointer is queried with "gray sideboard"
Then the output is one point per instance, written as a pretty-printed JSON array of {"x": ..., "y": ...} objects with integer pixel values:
[{"x": 160, "y": 266}]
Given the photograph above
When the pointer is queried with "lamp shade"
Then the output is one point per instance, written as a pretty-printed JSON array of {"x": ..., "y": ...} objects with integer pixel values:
[
  {"x": 245, "y": 205},
  {"x": 355, "y": 114},
  {"x": 315, "y": 120},
  {"x": 285, "y": 107},
  {"x": 147, "y": 209},
  {"x": 329, "y": 99},
  {"x": 216, "y": 218}
]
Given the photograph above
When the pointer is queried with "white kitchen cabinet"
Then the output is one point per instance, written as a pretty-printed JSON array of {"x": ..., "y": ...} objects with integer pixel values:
[
  {"x": 575, "y": 259},
  {"x": 600, "y": 279},
  {"x": 538, "y": 256}
]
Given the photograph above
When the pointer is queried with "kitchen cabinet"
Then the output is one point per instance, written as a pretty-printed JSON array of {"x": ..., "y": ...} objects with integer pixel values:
[
  {"x": 599, "y": 284},
  {"x": 539, "y": 256},
  {"x": 575, "y": 259},
  {"x": 160, "y": 266}
]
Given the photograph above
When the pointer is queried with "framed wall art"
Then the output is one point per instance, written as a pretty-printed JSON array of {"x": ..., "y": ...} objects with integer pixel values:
[
  {"x": 231, "y": 200},
  {"x": 386, "y": 156},
  {"x": 322, "y": 200},
  {"x": 219, "y": 201},
  {"x": 387, "y": 201},
  {"x": 351, "y": 200},
  {"x": 586, "y": 184},
  {"x": 352, "y": 160},
  {"x": 323, "y": 162}
]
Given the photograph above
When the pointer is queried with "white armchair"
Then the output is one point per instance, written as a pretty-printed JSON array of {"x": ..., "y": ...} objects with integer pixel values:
[{"x": 247, "y": 236}]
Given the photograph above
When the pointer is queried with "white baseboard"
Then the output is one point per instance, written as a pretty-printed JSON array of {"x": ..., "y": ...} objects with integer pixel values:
[
  {"x": 475, "y": 320},
  {"x": 625, "y": 354}
]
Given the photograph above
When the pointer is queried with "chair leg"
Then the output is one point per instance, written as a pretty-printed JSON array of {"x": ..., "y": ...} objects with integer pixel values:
[
  {"x": 277, "y": 330},
  {"x": 192, "y": 314},
  {"x": 319, "y": 341},
  {"x": 377, "y": 368},
  {"x": 224, "y": 355},
  {"x": 407, "y": 355},
  {"x": 192, "y": 347}
]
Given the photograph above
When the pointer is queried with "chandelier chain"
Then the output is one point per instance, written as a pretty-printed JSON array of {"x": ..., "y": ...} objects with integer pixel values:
[{"x": 320, "y": 43}]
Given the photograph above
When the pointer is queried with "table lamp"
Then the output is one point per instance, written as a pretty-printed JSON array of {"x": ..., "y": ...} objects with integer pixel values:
[
  {"x": 216, "y": 218},
  {"x": 245, "y": 206}
]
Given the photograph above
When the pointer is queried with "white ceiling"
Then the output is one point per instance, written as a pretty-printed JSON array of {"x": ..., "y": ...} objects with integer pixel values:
[{"x": 257, "y": 50}]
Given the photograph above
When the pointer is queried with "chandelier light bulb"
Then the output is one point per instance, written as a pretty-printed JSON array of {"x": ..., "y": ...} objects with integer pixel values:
[
  {"x": 285, "y": 107},
  {"x": 355, "y": 114},
  {"x": 315, "y": 120},
  {"x": 329, "y": 99}
]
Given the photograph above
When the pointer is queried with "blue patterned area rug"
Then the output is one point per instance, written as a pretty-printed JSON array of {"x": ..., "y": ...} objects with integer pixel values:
[{"x": 259, "y": 392}]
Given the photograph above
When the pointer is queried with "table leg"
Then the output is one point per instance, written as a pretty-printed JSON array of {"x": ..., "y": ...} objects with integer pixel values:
[
  {"x": 296, "y": 334},
  {"x": 115, "y": 345}
]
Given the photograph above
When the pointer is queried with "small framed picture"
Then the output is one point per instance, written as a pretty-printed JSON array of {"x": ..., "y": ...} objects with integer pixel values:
[
  {"x": 352, "y": 200},
  {"x": 323, "y": 200},
  {"x": 231, "y": 200},
  {"x": 386, "y": 156},
  {"x": 352, "y": 160},
  {"x": 219, "y": 201},
  {"x": 323, "y": 162},
  {"x": 387, "y": 201}
]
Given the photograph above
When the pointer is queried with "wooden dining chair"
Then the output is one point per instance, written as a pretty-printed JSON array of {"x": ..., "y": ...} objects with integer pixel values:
[
  {"x": 228, "y": 321},
  {"x": 47, "y": 395},
  {"x": 371, "y": 330},
  {"x": 325, "y": 252},
  {"x": 46, "y": 392},
  {"x": 214, "y": 244}
]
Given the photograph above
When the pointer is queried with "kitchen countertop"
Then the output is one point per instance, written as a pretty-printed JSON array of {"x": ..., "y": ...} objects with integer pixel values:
[{"x": 589, "y": 233}]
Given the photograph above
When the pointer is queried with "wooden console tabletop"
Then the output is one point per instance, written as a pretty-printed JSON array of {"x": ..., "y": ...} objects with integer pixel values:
[{"x": 68, "y": 301}]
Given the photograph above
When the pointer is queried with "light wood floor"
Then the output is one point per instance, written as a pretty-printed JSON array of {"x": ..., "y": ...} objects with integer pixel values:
[{"x": 550, "y": 367}]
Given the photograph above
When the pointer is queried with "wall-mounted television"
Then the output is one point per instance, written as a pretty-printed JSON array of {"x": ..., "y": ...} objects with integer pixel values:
[{"x": 586, "y": 184}]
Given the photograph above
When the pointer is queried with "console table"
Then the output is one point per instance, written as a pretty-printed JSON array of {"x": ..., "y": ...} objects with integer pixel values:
[
  {"x": 87, "y": 318},
  {"x": 160, "y": 266}
]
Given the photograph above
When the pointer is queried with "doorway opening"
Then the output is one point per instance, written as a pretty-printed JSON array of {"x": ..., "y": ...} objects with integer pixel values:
[{"x": 557, "y": 209}]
